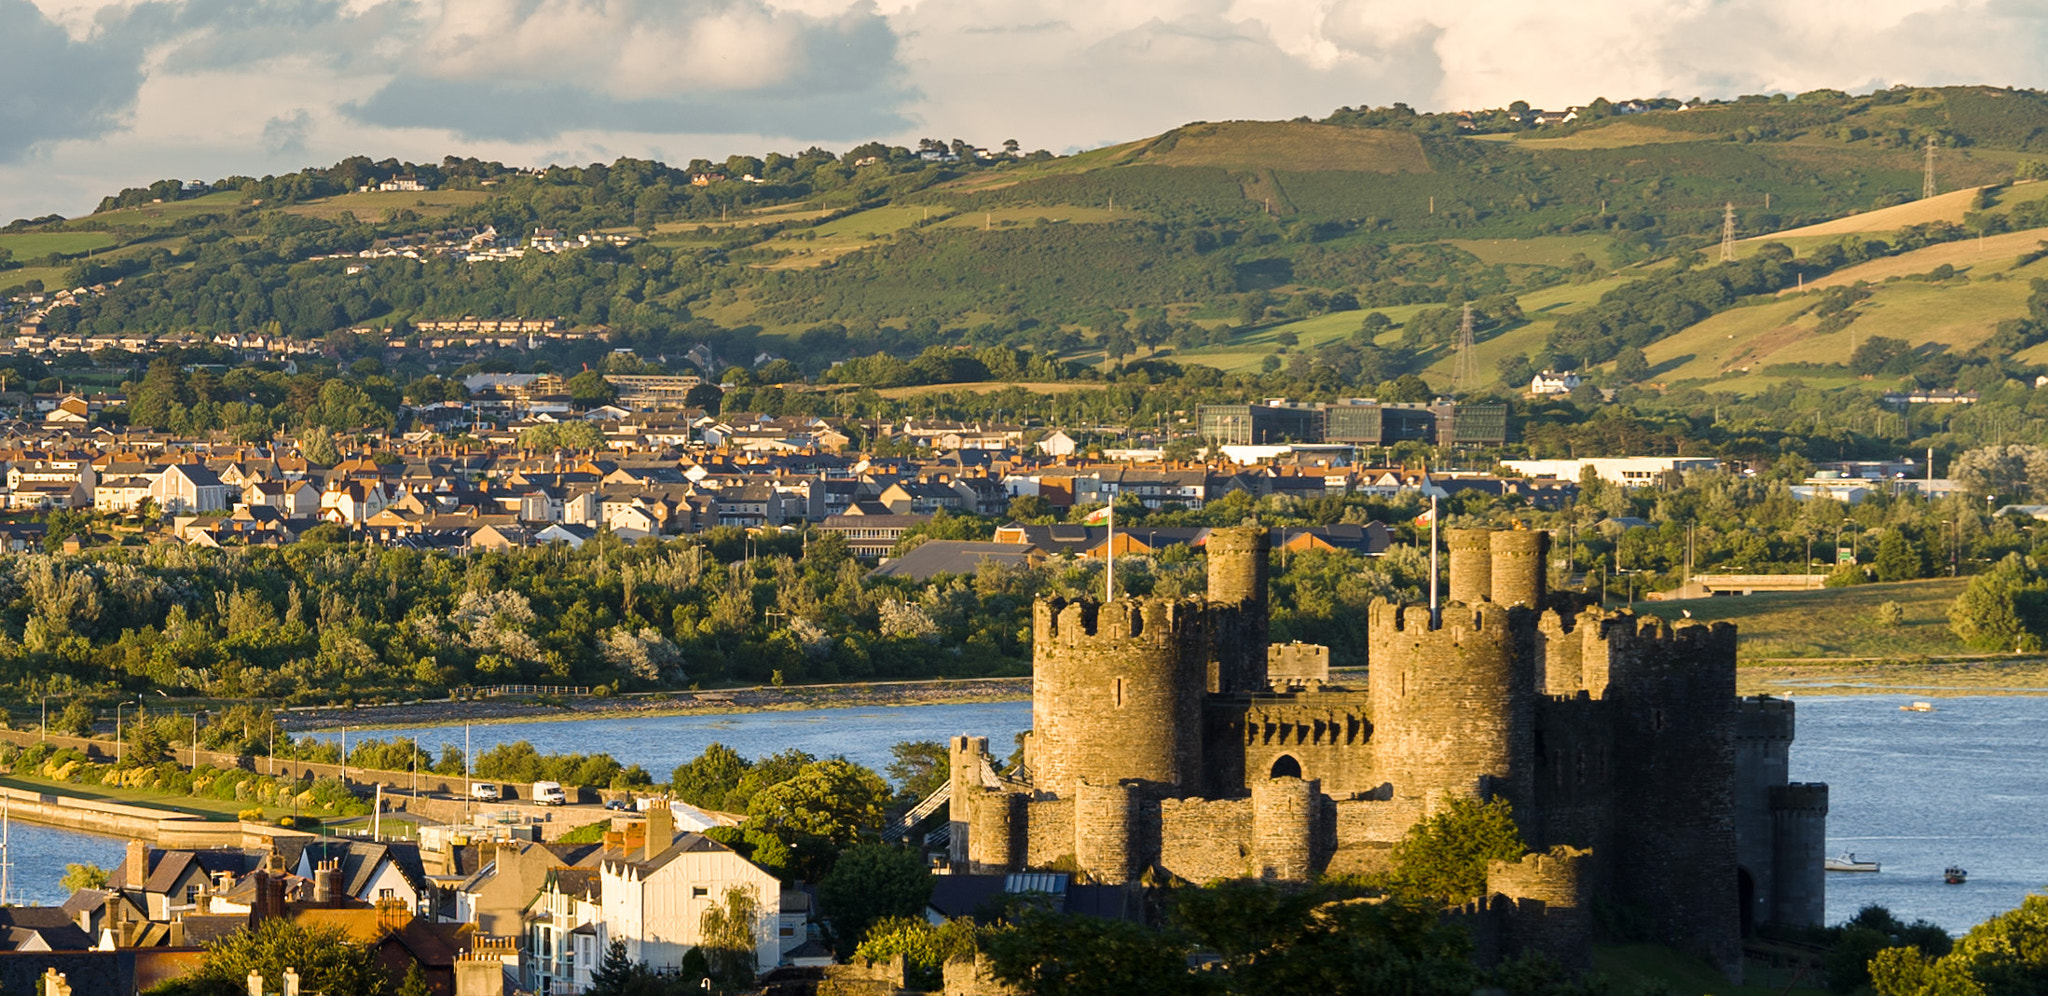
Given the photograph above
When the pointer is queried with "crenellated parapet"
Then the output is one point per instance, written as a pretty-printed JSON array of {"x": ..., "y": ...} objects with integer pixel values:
[
  {"x": 1764, "y": 718},
  {"x": 1117, "y": 692}
]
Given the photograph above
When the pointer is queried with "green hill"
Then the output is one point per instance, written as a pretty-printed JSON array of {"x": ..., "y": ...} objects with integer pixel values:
[{"x": 1229, "y": 242}]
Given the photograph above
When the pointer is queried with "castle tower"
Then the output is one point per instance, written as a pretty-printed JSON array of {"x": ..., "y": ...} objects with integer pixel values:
[
  {"x": 967, "y": 756},
  {"x": 1471, "y": 564},
  {"x": 1283, "y": 828},
  {"x": 1102, "y": 831},
  {"x": 1552, "y": 904},
  {"x": 1763, "y": 746},
  {"x": 995, "y": 825},
  {"x": 1799, "y": 825},
  {"x": 1116, "y": 694},
  {"x": 1453, "y": 707},
  {"x": 1237, "y": 577},
  {"x": 1518, "y": 566}
]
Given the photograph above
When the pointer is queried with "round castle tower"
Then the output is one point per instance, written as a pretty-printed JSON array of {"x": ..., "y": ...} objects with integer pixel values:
[
  {"x": 1799, "y": 838},
  {"x": 1116, "y": 694},
  {"x": 1471, "y": 564},
  {"x": 1237, "y": 582},
  {"x": 1453, "y": 706}
]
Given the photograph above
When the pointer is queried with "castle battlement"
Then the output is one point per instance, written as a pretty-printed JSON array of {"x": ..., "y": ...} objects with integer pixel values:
[
  {"x": 1157, "y": 621},
  {"x": 1559, "y": 876},
  {"x": 1401, "y": 617},
  {"x": 1764, "y": 718},
  {"x": 1806, "y": 797}
]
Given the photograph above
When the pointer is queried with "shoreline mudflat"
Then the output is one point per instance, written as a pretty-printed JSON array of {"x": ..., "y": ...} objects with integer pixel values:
[
  {"x": 763, "y": 698},
  {"x": 1919, "y": 678}
]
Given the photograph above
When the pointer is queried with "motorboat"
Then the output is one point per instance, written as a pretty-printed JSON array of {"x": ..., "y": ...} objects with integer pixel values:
[
  {"x": 1954, "y": 875},
  {"x": 1917, "y": 707},
  {"x": 1846, "y": 862}
]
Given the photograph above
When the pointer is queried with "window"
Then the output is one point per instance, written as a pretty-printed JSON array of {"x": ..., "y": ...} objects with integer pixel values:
[
  {"x": 191, "y": 895},
  {"x": 699, "y": 892},
  {"x": 387, "y": 894}
]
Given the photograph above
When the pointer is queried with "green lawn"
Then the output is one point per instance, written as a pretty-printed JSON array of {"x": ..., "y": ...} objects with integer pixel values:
[
  {"x": 51, "y": 276},
  {"x": 169, "y": 212},
  {"x": 212, "y": 809},
  {"x": 1831, "y": 623},
  {"x": 33, "y": 245},
  {"x": 1549, "y": 250}
]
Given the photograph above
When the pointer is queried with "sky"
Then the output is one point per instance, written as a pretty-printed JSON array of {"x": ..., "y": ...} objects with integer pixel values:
[{"x": 98, "y": 95}]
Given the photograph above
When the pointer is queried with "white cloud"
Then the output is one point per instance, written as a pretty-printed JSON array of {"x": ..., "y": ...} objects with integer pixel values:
[{"x": 99, "y": 94}]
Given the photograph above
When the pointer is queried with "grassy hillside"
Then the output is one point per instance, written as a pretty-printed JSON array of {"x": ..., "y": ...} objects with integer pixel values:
[{"x": 1832, "y": 623}]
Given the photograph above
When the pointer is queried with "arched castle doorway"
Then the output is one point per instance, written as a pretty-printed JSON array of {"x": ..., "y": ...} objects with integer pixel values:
[{"x": 1286, "y": 767}]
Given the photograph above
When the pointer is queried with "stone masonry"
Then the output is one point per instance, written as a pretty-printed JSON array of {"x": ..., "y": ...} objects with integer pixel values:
[{"x": 1170, "y": 740}]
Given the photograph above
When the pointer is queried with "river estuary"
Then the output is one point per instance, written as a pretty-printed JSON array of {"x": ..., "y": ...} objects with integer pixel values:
[{"x": 1966, "y": 784}]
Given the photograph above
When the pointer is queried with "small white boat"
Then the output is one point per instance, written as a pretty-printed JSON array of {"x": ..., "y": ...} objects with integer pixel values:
[
  {"x": 1918, "y": 707},
  {"x": 1846, "y": 862}
]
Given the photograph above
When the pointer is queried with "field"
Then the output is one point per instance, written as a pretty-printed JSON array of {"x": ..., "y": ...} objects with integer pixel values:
[
  {"x": 1032, "y": 215},
  {"x": 1243, "y": 353},
  {"x": 369, "y": 205},
  {"x": 1551, "y": 250},
  {"x": 160, "y": 215},
  {"x": 1980, "y": 257},
  {"x": 1305, "y": 148},
  {"x": 34, "y": 245},
  {"x": 1958, "y": 313},
  {"x": 1620, "y": 135},
  {"x": 51, "y": 276},
  {"x": 1833, "y": 623},
  {"x": 976, "y": 387}
]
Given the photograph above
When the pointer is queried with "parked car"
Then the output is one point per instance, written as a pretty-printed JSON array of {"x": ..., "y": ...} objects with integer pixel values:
[
  {"x": 486, "y": 791},
  {"x": 549, "y": 794},
  {"x": 619, "y": 805}
]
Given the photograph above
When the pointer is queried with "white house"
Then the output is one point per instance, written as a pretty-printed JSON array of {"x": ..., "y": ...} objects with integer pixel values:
[
  {"x": 1634, "y": 472},
  {"x": 121, "y": 494},
  {"x": 1058, "y": 444},
  {"x": 1549, "y": 382},
  {"x": 296, "y": 499},
  {"x": 185, "y": 488},
  {"x": 654, "y": 897},
  {"x": 367, "y": 871}
]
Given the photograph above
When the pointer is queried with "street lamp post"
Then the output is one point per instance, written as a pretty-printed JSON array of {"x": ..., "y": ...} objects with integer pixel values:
[
  {"x": 118, "y": 706},
  {"x": 44, "y": 734}
]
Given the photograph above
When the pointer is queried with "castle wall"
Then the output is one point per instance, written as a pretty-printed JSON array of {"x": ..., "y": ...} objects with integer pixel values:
[
  {"x": 1297, "y": 665},
  {"x": 1327, "y": 736},
  {"x": 1116, "y": 694},
  {"x": 995, "y": 821},
  {"x": 1284, "y": 814},
  {"x": 1674, "y": 853},
  {"x": 965, "y": 757},
  {"x": 1104, "y": 844},
  {"x": 1049, "y": 833},
  {"x": 1202, "y": 840},
  {"x": 1573, "y": 797}
]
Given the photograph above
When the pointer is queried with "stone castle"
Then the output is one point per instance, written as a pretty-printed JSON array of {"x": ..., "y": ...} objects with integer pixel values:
[{"x": 1170, "y": 740}]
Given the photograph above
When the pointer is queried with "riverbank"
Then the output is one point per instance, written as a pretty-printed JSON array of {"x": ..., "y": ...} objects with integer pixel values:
[
  {"x": 1920, "y": 678},
  {"x": 761, "y": 698}
]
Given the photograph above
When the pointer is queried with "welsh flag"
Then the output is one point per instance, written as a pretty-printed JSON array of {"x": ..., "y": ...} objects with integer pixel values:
[
  {"x": 1097, "y": 517},
  {"x": 1428, "y": 516}
]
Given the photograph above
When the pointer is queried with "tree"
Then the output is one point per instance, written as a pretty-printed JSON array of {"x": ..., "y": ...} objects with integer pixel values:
[
  {"x": 729, "y": 937},
  {"x": 1051, "y": 955},
  {"x": 326, "y": 960},
  {"x": 589, "y": 389},
  {"x": 869, "y": 883},
  {"x": 317, "y": 445},
  {"x": 833, "y": 800},
  {"x": 920, "y": 766},
  {"x": 706, "y": 781},
  {"x": 2005, "y": 608},
  {"x": 925, "y": 948},
  {"x": 2016, "y": 471},
  {"x": 2002, "y": 955},
  {"x": 83, "y": 876},
  {"x": 415, "y": 983},
  {"x": 1630, "y": 365},
  {"x": 1443, "y": 858},
  {"x": 1898, "y": 558},
  {"x": 76, "y": 719}
]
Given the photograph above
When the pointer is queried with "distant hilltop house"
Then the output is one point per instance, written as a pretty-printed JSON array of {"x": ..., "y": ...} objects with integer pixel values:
[
  {"x": 405, "y": 183},
  {"x": 1549, "y": 382},
  {"x": 1940, "y": 396}
]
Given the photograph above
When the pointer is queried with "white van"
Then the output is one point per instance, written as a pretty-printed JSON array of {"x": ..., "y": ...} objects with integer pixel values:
[
  {"x": 549, "y": 794},
  {"x": 485, "y": 791}
]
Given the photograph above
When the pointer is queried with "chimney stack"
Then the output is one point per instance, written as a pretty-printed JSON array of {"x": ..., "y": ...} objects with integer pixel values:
[
  {"x": 323, "y": 884},
  {"x": 661, "y": 828},
  {"x": 138, "y": 866}
]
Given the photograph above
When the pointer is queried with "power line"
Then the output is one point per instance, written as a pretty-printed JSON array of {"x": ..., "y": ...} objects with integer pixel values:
[
  {"x": 1465, "y": 372},
  {"x": 1728, "y": 233},
  {"x": 1927, "y": 188}
]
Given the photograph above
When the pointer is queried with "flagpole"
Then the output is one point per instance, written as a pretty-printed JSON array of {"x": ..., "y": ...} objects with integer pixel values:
[
  {"x": 1109, "y": 557},
  {"x": 1435, "y": 614}
]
